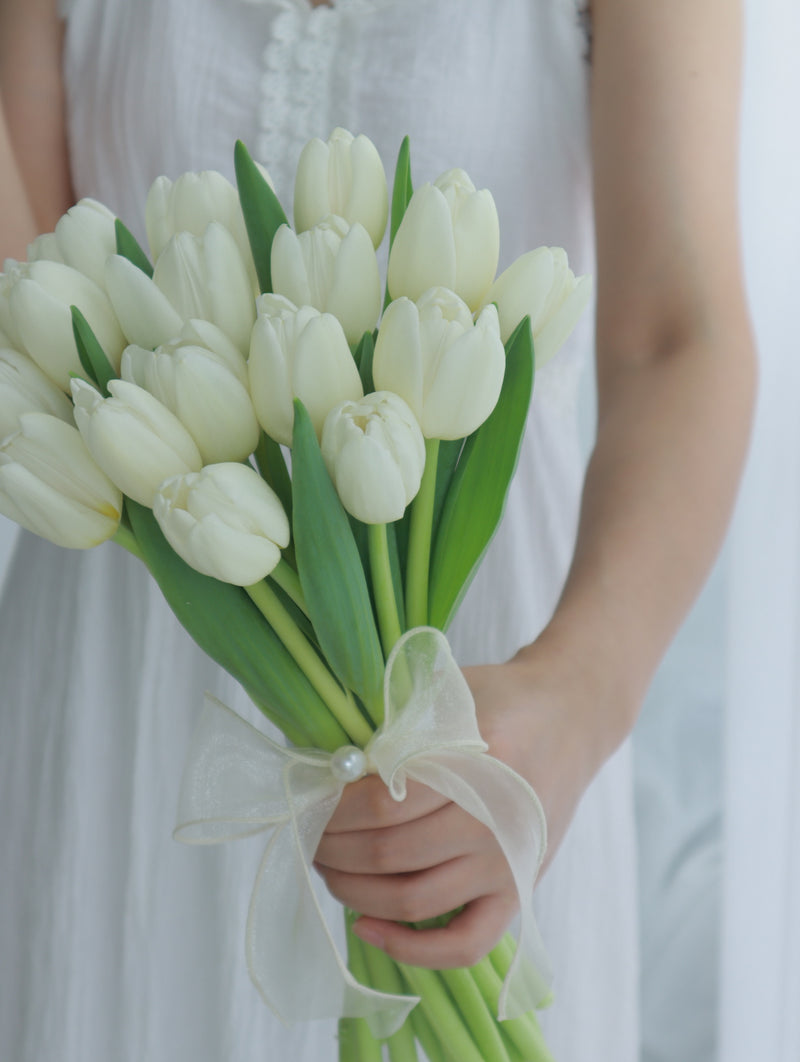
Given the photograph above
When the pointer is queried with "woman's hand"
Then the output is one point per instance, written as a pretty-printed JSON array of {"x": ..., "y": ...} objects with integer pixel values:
[{"x": 397, "y": 863}]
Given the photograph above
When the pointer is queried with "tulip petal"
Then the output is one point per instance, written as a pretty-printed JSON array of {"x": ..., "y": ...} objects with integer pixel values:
[
  {"x": 311, "y": 199},
  {"x": 145, "y": 313},
  {"x": 423, "y": 254},
  {"x": 354, "y": 295}
]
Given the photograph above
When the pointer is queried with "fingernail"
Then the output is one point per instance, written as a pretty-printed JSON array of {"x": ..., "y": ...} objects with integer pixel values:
[{"x": 368, "y": 934}]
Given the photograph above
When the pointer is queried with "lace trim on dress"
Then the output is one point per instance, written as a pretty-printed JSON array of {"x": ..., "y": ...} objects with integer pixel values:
[{"x": 307, "y": 65}]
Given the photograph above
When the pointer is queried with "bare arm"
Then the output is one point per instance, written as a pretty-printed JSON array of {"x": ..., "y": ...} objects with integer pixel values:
[
  {"x": 674, "y": 350},
  {"x": 34, "y": 167},
  {"x": 676, "y": 380}
]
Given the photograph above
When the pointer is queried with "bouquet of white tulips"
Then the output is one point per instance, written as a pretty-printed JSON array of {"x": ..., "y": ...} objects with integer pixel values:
[{"x": 154, "y": 404}]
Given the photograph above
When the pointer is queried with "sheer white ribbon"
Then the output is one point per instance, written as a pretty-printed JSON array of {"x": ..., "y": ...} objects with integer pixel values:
[{"x": 237, "y": 782}]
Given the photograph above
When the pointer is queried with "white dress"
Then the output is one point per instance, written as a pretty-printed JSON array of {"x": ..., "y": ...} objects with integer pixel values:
[{"x": 117, "y": 943}]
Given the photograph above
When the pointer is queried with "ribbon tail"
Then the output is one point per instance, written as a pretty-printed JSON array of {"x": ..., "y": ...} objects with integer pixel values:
[
  {"x": 292, "y": 956},
  {"x": 504, "y": 802}
]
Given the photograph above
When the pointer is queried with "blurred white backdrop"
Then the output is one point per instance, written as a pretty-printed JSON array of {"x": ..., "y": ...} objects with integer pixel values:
[{"x": 718, "y": 744}]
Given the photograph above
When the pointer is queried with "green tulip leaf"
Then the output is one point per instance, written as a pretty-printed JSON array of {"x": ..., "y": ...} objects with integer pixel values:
[
  {"x": 227, "y": 626},
  {"x": 402, "y": 189},
  {"x": 128, "y": 246},
  {"x": 398, "y": 573},
  {"x": 363, "y": 358},
  {"x": 263, "y": 214},
  {"x": 272, "y": 466},
  {"x": 449, "y": 452},
  {"x": 477, "y": 494},
  {"x": 93, "y": 358},
  {"x": 331, "y": 572}
]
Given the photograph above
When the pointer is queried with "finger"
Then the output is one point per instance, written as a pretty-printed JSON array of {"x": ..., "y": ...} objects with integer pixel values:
[
  {"x": 368, "y": 805},
  {"x": 445, "y": 834},
  {"x": 468, "y": 937},
  {"x": 414, "y": 897}
]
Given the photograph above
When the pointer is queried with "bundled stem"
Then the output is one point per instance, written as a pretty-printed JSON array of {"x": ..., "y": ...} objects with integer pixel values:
[
  {"x": 355, "y": 726},
  {"x": 419, "y": 540},
  {"x": 383, "y": 586}
]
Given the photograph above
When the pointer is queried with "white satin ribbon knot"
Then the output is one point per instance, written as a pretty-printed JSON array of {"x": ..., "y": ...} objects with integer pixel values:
[{"x": 237, "y": 782}]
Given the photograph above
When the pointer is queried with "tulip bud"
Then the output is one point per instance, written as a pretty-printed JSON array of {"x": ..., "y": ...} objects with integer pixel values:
[
  {"x": 24, "y": 388},
  {"x": 224, "y": 521},
  {"x": 446, "y": 368},
  {"x": 134, "y": 438},
  {"x": 205, "y": 396},
  {"x": 344, "y": 176},
  {"x": 375, "y": 454},
  {"x": 333, "y": 268},
  {"x": 50, "y": 485},
  {"x": 205, "y": 276},
  {"x": 298, "y": 354},
  {"x": 86, "y": 237},
  {"x": 37, "y": 299},
  {"x": 190, "y": 204},
  {"x": 541, "y": 285},
  {"x": 449, "y": 237}
]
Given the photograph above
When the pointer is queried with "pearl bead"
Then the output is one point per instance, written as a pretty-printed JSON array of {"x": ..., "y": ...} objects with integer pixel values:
[{"x": 348, "y": 764}]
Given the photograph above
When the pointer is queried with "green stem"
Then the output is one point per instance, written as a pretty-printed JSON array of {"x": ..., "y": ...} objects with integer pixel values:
[
  {"x": 419, "y": 540},
  {"x": 442, "y": 1013},
  {"x": 356, "y": 728},
  {"x": 384, "y": 975},
  {"x": 475, "y": 1010},
  {"x": 289, "y": 581},
  {"x": 501, "y": 957},
  {"x": 125, "y": 537},
  {"x": 383, "y": 586},
  {"x": 523, "y": 1032},
  {"x": 424, "y": 1032},
  {"x": 356, "y": 1042}
]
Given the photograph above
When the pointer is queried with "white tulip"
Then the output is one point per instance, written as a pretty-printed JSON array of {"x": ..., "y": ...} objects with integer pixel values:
[
  {"x": 24, "y": 388},
  {"x": 298, "y": 354},
  {"x": 134, "y": 438},
  {"x": 145, "y": 313},
  {"x": 190, "y": 204},
  {"x": 332, "y": 267},
  {"x": 50, "y": 485},
  {"x": 86, "y": 237},
  {"x": 449, "y": 237},
  {"x": 446, "y": 368},
  {"x": 45, "y": 247},
  {"x": 206, "y": 277},
  {"x": 206, "y": 397},
  {"x": 375, "y": 454},
  {"x": 11, "y": 337},
  {"x": 344, "y": 176},
  {"x": 37, "y": 297},
  {"x": 224, "y": 521},
  {"x": 541, "y": 285}
]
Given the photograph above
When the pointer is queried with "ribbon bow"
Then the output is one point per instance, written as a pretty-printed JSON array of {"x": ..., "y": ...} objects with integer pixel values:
[{"x": 237, "y": 782}]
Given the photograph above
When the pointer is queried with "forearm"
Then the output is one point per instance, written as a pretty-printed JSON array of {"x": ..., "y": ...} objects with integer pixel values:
[
  {"x": 34, "y": 168},
  {"x": 671, "y": 441},
  {"x": 17, "y": 224}
]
